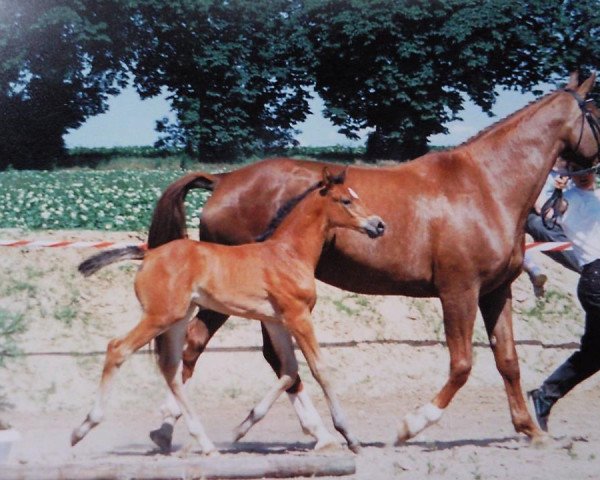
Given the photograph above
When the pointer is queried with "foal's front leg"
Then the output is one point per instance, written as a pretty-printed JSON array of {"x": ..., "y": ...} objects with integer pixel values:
[
  {"x": 301, "y": 328},
  {"x": 288, "y": 373}
]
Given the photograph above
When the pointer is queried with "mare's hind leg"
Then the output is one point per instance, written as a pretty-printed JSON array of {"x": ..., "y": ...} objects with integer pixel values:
[
  {"x": 119, "y": 349},
  {"x": 169, "y": 361},
  {"x": 460, "y": 310},
  {"x": 199, "y": 332},
  {"x": 497, "y": 316}
]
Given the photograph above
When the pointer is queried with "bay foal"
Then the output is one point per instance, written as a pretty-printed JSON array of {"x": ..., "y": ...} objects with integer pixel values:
[{"x": 272, "y": 281}]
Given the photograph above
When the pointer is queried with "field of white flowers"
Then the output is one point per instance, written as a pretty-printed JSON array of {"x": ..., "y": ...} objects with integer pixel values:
[{"x": 86, "y": 199}]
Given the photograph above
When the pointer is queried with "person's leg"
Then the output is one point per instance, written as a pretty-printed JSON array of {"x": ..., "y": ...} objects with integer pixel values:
[
  {"x": 583, "y": 363},
  {"x": 537, "y": 277}
]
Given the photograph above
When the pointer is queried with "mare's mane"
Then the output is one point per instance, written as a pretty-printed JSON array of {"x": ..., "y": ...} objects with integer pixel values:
[
  {"x": 509, "y": 117},
  {"x": 288, "y": 206}
]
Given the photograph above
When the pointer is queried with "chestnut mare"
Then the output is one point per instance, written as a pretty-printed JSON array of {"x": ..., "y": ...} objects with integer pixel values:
[
  {"x": 272, "y": 281},
  {"x": 455, "y": 231}
]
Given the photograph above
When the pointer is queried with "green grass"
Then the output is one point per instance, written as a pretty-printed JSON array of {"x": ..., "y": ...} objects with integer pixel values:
[{"x": 86, "y": 199}]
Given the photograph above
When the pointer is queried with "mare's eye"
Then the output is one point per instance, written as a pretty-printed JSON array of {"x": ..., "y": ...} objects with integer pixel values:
[{"x": 346, "y": 201}]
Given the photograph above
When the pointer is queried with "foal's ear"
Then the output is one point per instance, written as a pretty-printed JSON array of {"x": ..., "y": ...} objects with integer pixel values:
[
  {"x": 573, "y": 81},
  {"x": 326, "y": 182},
  {"x": 587, "y": 86}
]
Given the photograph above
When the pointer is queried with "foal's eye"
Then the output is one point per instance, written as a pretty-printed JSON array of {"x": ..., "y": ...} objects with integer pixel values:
[{"x": 346, "y": 201}]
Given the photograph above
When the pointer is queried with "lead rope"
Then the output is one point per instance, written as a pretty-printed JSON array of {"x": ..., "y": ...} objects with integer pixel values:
[{"x": 552, "y": 203}]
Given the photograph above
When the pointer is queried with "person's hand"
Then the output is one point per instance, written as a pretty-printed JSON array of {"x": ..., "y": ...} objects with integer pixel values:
[{"x": 561, "y": 182}]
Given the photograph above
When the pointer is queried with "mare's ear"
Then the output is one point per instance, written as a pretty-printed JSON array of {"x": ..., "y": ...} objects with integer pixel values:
[
  {"x": 573, "y": 81},
  {"x": 587, "y": 86},
  {"x": 341, "y": 178}
]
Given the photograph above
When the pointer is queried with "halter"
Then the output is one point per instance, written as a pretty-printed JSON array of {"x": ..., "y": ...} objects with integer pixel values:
[
  {"x": 554, "y": 200},
  {"x": 586, "y": 114}
]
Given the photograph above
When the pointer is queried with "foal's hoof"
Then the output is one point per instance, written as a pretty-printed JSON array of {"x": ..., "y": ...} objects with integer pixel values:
[
  {"x": 354, "y": 447},
  {"x": 163, "y": 437},
  {"x": 238, "y": 434},
  {"x": 75, "y": 437},
  {"x": 403, "y": 434},
  {"x": 327, "y": 445}
]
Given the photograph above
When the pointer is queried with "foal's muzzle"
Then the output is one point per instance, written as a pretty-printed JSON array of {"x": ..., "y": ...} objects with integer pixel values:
[{"x": 374, "y": 226}]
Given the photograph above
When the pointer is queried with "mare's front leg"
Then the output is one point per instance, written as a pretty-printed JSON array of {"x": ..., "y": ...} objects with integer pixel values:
[
  {"x": 300, "y": 326},
  {"x": 459, "y": 310},
  {"x": 119, "y": 350},
  {"x": 282, "y": 347},
  {"x": 496, "y": 309}
]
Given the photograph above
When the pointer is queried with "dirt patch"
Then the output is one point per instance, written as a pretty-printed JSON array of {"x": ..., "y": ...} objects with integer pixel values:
[{"x": 388, "y": 372}]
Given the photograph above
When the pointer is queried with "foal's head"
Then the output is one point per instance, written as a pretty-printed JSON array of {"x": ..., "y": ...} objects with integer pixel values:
[
  {"x": 583, "y": 135},
  {"x": 345, "y": 209}
]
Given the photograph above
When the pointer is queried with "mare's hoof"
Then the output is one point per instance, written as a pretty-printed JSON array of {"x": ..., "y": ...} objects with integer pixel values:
[
  {"x": 163, "y": 437},
  {"x": 543, "y": 440}
]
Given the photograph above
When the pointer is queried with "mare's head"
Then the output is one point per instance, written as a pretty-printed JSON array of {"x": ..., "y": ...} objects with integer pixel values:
[
  {"x": 582, "y": 140},
  {"x": 345, "y": 209}
]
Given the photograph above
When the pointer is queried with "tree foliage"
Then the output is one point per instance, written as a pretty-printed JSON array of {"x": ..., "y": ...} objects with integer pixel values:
[
  {"x": 405, "y": 68},
  {"x": 59, "y": 61},
  {"x": 238, "y": 72}
]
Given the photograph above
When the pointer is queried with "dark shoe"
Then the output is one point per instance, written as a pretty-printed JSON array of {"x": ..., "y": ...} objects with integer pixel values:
[{"x": 541, "y": 406}]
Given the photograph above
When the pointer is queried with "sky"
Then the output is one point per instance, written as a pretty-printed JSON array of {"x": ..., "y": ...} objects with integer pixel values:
[{"x": 130, "y": 121}]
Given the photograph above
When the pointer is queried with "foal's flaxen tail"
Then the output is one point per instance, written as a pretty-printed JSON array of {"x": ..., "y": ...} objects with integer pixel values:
[{"x": 101, "y": 260}]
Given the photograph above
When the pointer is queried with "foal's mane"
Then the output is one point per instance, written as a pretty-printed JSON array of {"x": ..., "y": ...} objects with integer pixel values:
[
  {"x": 509, "y": 117},
  {"x": 288, "y": 206}
]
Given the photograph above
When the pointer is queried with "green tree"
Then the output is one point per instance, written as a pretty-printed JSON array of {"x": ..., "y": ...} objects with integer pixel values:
[
  {"x": 59, "y": 61},
  {"x": 404, "y": 68},
  {"x": 236, "y": 70}
]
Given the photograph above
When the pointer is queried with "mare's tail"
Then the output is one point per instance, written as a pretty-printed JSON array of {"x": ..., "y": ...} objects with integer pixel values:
[
  {"x": 102, "y": 259},
  {"x": 168, "y": 220}
]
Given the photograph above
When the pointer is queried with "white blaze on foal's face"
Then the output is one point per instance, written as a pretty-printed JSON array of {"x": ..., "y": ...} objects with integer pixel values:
[{"x": 353, "y": 194}]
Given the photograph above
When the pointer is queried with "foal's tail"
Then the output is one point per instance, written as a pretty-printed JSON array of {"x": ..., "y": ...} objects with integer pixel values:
[
  {"x": 101, "y": 260},
  {"x": 168, "y": 220}
]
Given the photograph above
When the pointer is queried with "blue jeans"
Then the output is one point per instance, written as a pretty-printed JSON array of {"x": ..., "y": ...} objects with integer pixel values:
[{"x": 586, "y": 361}]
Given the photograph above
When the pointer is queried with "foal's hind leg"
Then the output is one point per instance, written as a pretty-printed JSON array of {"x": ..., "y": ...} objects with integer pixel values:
[
  {"x": 119, "y": 349},
  {"x": 497, "y": 315},
  {"x": 459, "y": 318}
]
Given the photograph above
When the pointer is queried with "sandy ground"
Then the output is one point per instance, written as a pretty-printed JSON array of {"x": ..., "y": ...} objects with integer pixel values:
[{"x": 49, "y": 390}]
